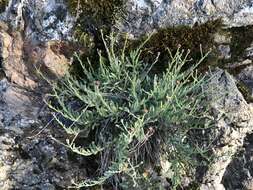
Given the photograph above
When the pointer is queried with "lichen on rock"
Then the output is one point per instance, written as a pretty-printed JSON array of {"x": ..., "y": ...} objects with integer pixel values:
[{"x": 40, "y": 20}]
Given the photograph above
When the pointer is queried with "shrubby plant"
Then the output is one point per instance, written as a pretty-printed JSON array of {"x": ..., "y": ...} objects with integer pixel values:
[{"x": 130, "y": 119}]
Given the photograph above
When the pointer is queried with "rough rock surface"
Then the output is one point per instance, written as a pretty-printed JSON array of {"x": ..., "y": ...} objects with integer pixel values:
[
  {"x": 35, "y": 162},
  {"x": 41, "y": 20},
  {"x": 21, "y": 90},
  {"x": 52, "y": 58},
  {"x": 233, "y": 121},
  {"x": 12, "y": 59},
  {"x": 144, "y": 15},
  {"x": 33, "y": 38},
  {"x": 19, "y": 108},
  {"x": 246, "y": 76},
  {"x": 50, "y": 19},
  {"x": 239, "y": 173}
]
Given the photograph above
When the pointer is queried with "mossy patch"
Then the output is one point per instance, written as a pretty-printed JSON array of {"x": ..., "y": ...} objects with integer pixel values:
[
  {"x": 2, "y": 74},
  {"x": 93, "y": 15},
  {"x": 199, "y": 39},
  {"x": 241, "y": 39},
  {"x": 3, "y": 5}
]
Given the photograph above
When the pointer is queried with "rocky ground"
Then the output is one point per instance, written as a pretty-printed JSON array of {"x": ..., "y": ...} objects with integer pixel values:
[{"x": 35, "y": 34}]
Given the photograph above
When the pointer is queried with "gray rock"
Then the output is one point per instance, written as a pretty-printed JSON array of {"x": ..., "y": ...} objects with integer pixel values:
[
  {"x": 246, "y": 76},
  {"x": 147, "y": 15},
  {"x": 35, "y": 163},
  {"x": 249, "y": 52},
  {"x": 41, "y": 20},
  {"x": 50, "y": 20},
  {"x": 18, "y": 108},
  {"x": 233, "y": 118},
  {"x": 224, "y": 51},
  {"x": 21, "y": 90},
  {"x": 239, "y": 173}
]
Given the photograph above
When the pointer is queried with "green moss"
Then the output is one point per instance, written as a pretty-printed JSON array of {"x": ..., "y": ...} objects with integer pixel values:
[
  {"x": 95, "y": 14},
  {"x": 198, "y": 39},
  {"x": 3, "y": 5},
  {"x": 2, "y": 74},
  {"x": 241, "y": 39}
]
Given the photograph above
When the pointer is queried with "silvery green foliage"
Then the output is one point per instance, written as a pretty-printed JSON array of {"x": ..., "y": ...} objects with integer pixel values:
[{"x": 128, "y": 117}]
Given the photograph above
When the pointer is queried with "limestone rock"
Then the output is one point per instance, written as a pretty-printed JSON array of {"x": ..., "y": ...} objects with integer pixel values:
[
  {"x": 19, "y": 108},
  {"x": 35, "y": 163},
  {"x": 12, "y": 59},
  {"x": 50, "y": 58},
  {"x": 145, "y": 16},
  {"x": 233, "y": 120},
  {"x": 41, "y": 20},
  {"x": 50, "y": 19},
  {"x": 239, "y": 173},
  {"x": 246, "y": 76},
  {"x": 20, "y": 98}
]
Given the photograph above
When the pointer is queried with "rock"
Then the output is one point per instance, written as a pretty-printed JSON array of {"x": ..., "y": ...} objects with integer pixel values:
[
  {"x": 239, "y": 173},
  {"x": 41, "y": 20},
  {"x": 21, "y": 87},
  {"x": 19, "y": 105},
  {"x": 249, "y": 52},
  {"x": 145, "y": 16},
  {"x": 233, "y": 120},
  {"x": 51, "y": 58},
  {"x": 35, "y": 163},
  {"x": 243, "y": 16},
  {"x": 224, "y": 52},
  {"x": 50, "y": 19},
  {"x": 19, "y": 108},
  {"x": 21, "y": 58},
  {"x": 246, "y": 76},
  {"x": 222, "y": 37},
  {"x": 237, "y": 65},
  {"x": 12, "y": 59}
]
